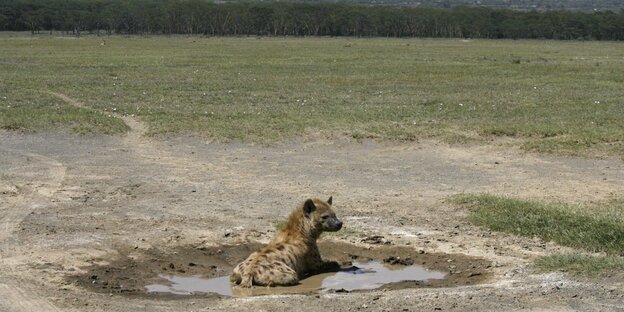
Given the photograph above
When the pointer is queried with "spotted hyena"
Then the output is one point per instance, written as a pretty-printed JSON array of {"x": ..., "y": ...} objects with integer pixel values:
[{"x": 293, "y": 253}]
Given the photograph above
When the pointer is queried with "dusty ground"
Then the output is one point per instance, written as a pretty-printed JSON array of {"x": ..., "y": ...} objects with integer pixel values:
[{"x": 73, "y": 205}]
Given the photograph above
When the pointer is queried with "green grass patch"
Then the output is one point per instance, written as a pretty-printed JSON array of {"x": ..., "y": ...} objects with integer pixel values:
[
  {"x": 592, "y": 228},
  {"x": 39, "y": 111},
  {"x": 580, "y": 263},
  {"x": 563, "y": 98}
]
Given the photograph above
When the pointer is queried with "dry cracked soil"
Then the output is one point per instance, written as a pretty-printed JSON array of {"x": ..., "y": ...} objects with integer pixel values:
[{"x": 87, "y": 221}]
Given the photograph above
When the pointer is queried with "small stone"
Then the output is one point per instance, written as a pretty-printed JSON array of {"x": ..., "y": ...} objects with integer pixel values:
[
  {"x": 398, "y": 260},
  {"x": 375, "y": 239}
]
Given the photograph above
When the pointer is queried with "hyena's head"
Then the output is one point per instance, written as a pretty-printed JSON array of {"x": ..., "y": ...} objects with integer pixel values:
[{"x": 321, "y": 215}]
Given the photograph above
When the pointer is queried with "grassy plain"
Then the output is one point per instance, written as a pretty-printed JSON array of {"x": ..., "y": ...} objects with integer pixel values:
[{"x": 554, "y": 96}]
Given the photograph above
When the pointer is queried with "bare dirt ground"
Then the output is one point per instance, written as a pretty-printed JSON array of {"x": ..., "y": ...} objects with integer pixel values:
[{"x": 118, "y": 208}]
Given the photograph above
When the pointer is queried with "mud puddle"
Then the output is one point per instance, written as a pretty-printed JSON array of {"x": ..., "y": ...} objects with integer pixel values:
[
  {"x": 360, "y": 276},
  {"x": 186, "y": 271}
]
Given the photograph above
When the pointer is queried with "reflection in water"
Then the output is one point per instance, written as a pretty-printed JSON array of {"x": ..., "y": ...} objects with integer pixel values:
[
  {"x": 363, "y": 275},
  {"x": 373, "y": 275},
  {"x": 181, "y": 285}
]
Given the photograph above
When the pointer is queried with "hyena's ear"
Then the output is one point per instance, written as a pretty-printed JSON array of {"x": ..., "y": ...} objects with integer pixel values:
[
  {"x": 308, "y": 207},
  {"x": 329, "y": 201}
]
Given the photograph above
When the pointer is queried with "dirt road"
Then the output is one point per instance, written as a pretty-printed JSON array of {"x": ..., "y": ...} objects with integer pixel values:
[{"x": 72, "y": 205}]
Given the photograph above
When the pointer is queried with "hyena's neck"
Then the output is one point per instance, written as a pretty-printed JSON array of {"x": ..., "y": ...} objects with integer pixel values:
[{"x": 299, "y": 229}]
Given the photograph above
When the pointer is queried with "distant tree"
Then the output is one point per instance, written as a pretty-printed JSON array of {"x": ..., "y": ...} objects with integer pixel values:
[{"x": 33, "y": 20}]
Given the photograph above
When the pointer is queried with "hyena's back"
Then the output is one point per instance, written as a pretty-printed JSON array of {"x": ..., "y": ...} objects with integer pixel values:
[{"x": 258, "y": 269}]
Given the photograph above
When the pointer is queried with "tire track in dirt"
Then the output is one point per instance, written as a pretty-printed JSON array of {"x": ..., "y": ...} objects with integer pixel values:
[
  {"x": 135, "y": 138},
  {"x": 19, "y": 295},
  {"x": 137, "y": 128},
  {"x": 172, "y": 168},
  {"x": 56, "y": 174},
  {"x": 22, "y": 299}
]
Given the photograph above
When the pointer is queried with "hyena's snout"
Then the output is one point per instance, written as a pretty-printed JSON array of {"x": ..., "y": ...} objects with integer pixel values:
[
  {"x": 334, "y": 225},
  {"x": 338, "y": 224}
]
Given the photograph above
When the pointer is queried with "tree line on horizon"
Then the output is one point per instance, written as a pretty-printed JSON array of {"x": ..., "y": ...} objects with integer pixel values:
[
  {"x": 540, "y": 5},
  {"x": 200, "y": 17}
]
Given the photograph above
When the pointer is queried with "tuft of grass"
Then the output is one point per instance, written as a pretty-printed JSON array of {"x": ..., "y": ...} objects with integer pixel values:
[
  {"x": 597, "y": 228},
  {"x": 580, "y": 263},
  {"x": 279, "y": 224}
]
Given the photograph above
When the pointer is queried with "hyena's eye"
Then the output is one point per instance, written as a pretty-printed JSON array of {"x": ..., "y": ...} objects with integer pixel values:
[{"x": 324, "y": 217}]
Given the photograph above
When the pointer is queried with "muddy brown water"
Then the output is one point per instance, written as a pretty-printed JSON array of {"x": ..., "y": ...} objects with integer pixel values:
[
  {"x": 184, "y": 271},
  {"x": 360, "y": 276}
]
